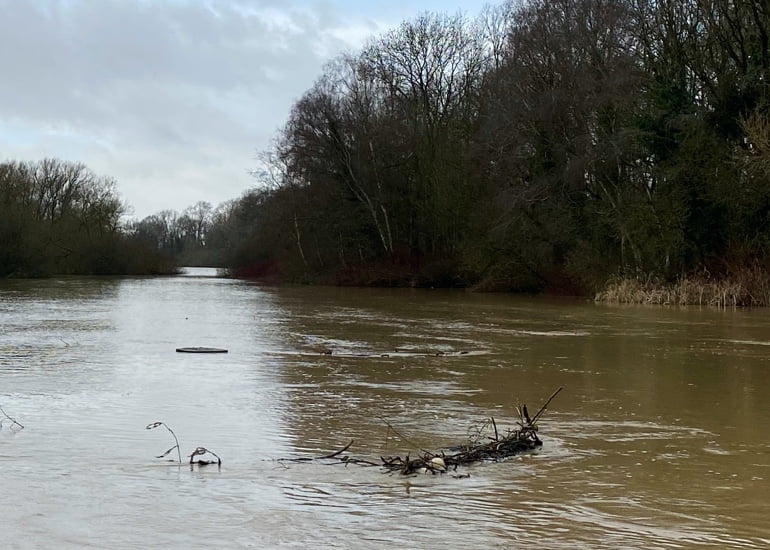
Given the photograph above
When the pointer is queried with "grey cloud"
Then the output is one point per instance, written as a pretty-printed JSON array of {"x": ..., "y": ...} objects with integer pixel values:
[
  {"x": 173, "y": 98},
  {"x": 189, "y": 88},
  {"x": 59, "y": 54}
]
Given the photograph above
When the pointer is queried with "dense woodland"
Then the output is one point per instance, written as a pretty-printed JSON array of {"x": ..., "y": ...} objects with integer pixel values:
[
  {"x": 59, "y": 217},
  {"x": 544, "y": 145}
]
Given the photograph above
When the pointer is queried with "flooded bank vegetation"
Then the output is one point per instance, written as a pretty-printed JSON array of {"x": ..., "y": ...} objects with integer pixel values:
[{"x": 744, "y": 288}]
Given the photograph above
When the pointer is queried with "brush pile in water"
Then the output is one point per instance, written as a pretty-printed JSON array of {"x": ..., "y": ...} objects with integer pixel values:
[
  {"x": 497, "y": 447},
  {"x": 486, "y": 444}
]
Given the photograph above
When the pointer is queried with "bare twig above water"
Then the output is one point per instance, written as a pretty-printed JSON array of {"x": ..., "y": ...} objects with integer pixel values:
[
  {"x": 545, "y": 406},
  {"x": 200, "y": 451},
  {"x": 155, "y": 425},
  {"x": 14, "y": 422},
  {"x": 396, "y": 432},
  {"x": 334, "y": 454}
]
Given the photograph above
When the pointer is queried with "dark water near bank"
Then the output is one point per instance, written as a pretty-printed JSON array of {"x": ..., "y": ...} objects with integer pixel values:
[{"x": 660, "y": 439}]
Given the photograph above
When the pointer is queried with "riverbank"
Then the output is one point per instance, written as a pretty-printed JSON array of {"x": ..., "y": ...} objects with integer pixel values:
[
  {"x": 737, "y": 287},
  {"x": 748, "y": 287}
]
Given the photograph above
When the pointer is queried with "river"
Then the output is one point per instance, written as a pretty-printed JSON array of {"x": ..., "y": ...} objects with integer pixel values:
[{"x": 659, "y": 439}]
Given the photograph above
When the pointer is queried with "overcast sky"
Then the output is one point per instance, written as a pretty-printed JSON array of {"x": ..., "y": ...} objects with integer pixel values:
[{"x": 172, "y": 98}]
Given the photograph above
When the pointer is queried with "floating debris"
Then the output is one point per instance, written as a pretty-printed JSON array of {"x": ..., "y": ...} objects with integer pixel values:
[
  {"x": 200, "y": 349},
  {"x": 484, "y": 446},
  {"x": 519, "y": 440},
  {"x": 398, "y": 353}
]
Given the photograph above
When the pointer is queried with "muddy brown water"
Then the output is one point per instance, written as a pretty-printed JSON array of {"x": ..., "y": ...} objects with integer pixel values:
[{"x": 660, "y": 439}]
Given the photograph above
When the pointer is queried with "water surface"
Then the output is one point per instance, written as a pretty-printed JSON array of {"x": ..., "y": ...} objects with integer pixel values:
[{"x": 660, "y": 438}]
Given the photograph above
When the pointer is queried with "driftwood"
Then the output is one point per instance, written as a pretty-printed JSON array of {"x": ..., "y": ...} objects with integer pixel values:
[
  {"x": 481, "y": 448},
  {"x": 488, "y": 444},
  {"x": 337, "y": 456}
]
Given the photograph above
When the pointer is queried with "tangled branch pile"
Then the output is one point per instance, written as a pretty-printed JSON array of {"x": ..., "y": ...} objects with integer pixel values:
[
  {"x": 516, "y": 441},
  {"x": 482, "y": 447},
  {"x": 486, "y": 444}
]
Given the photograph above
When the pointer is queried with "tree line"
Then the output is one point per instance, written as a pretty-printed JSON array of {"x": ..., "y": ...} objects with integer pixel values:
[
  {"x": 541, "y": 145},
  {"x": 59, "y": 217},
  {"x": 545, "y": 144},
  {"x": 201, "y": 234}
]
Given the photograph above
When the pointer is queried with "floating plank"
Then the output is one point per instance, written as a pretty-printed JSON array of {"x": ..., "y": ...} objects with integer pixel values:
[{"x": 200, "y": 349}]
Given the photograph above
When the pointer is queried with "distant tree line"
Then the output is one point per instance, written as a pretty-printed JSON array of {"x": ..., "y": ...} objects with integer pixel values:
[
  {"x": 59, "y": 217},
  {"x": 545, "y": 144},
  {"x": 181, "y": 236},
  {"x": 201, "y": 235}
]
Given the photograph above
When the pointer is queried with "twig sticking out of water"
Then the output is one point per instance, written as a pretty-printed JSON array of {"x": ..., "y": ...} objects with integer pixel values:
[
  {"x": 336, "y": 453},
  {"x": 14, "y": 422},
  {"x": 202, "y": 462},
  {"x": 545, "y": 406},
  {"x": 396, "y": 432},
  {"x": 337, "y": 456},
  {"x": 179, "y": 454}
]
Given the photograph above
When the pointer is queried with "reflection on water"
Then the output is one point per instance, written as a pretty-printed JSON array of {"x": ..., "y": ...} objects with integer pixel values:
[{"x": 659, "y": 439}]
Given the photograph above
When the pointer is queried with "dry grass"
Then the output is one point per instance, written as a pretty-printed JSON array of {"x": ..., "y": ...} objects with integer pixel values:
[{"x": 749, "y": 287}]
